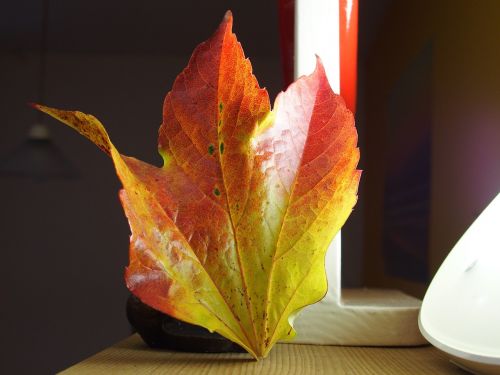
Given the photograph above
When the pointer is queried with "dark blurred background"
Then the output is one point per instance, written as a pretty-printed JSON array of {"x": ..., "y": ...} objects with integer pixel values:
[{"x": 428, "y": 71}]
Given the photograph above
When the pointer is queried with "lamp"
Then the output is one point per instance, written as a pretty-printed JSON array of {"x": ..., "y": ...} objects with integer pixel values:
[
  {"x": 460, "y": 313},
  {"x": 38, "y": 157}
]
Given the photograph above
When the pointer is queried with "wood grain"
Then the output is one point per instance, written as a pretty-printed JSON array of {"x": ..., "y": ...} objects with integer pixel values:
[{"x": 132, "y": 356}]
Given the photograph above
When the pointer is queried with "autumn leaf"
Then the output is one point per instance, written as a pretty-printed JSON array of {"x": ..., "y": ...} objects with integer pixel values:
[{"x": 231, "y": 232}]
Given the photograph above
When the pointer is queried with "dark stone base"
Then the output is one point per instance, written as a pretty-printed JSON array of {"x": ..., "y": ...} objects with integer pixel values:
[{"x": 164, "y": 332}]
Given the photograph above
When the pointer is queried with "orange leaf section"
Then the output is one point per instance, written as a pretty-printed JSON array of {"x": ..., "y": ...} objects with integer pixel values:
[{"x": 232, "y": 231}]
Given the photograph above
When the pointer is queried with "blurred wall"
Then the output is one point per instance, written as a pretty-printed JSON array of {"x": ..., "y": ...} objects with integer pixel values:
[
  {"x": 65, "y": 242},
  {"x": 465, "y": 107}
]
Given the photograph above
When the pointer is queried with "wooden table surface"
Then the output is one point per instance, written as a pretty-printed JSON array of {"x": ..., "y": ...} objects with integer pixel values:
[{"x": 132, "y": 356}]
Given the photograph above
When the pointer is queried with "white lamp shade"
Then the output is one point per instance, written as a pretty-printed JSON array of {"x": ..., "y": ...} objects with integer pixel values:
[{"x": 460, "y": 313}]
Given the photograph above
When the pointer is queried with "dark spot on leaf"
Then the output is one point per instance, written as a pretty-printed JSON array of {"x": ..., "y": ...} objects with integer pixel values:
[
  {"x": 221, "y": 147},
  {"x": 221, "y": 107},
  {"x": 216, "y": 191},
  {"x": 211, "y": 149},
  {"x": 220, "y": 122}
]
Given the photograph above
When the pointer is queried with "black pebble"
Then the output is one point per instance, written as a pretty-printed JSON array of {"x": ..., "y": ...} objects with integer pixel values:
[{"x": 161, "y": 331}]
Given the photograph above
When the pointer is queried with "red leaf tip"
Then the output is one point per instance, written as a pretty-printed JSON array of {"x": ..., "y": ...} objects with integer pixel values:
[
  {"x": 228, "y": 16},
  {"x": 227, "y": 21},
  {"x": 320, "y": 68}
]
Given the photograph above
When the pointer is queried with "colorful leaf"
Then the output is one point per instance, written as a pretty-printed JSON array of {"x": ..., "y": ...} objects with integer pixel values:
[{"x": 231, "y": 232}]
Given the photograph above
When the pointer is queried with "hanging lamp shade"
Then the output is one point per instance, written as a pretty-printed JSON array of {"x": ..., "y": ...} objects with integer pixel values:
[{"x": 38, "y": 157}]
